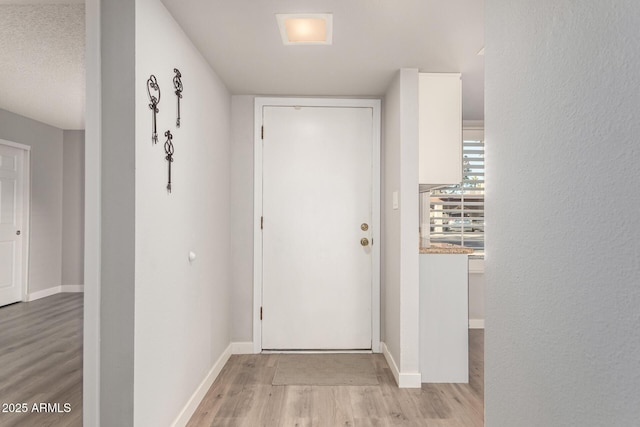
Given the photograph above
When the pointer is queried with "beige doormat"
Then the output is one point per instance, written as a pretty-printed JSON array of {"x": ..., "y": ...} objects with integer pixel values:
[{"x": 325, "y": 369}]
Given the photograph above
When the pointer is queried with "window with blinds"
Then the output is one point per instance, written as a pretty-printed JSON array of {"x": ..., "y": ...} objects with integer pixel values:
[{"x": 457, "y": 212}]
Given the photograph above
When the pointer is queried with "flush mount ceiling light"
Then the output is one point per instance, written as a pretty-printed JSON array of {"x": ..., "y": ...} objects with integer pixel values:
[{"x": 309, "y": 28}]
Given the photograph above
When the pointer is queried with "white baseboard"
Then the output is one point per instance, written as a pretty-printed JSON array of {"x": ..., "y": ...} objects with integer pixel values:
[
  {"x": 72, "y": 288},
  {"x": 403, "y": 379},
  {"x": 32, "y": 296},
  {"x": 476, "y": 323},
  {"x": 197, "y": 396},
  {"x": 242, "y": 347},
  {"x": 53, "y": 290},
  {"x": 410, "y": 380},
  {"x": 390, "y": 362}
]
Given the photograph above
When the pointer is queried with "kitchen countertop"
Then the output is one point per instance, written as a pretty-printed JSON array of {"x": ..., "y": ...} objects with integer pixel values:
[{"x": 445, "y": 248}]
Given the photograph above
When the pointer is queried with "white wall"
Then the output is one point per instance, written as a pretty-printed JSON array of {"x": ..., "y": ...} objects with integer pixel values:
[
  {"x": 400, "y": 247},
  {"x": 476, "y": 299},
  {"x": 45, "y": 258},
  {"x": 182, "y": 309},
  {"x": 562, "y": 249},
  {"x": 242, "y": 124},
  {"x": 409, "y": 219},
  {"x": 390, "y": 269},
  {"x": 73, "y": 208}
]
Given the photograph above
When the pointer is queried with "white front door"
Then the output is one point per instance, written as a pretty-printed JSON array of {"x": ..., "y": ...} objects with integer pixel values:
[
  {"x": 11, "y": 221},
  {"x": 316, "y": 207}
]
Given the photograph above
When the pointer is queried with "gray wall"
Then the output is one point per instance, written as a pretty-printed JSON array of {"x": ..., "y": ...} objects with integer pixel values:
[
  {"x": 57, "y": 200},
  {"x": 46, "y": 142},
  {"x": 562, "y": 265},
  {"x": 73, "y": 207}
]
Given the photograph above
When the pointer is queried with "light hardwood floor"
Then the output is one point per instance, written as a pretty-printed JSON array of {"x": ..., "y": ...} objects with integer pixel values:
[
  {"x": 41, "y": 361},
  {"x": 243, "y": 396}
]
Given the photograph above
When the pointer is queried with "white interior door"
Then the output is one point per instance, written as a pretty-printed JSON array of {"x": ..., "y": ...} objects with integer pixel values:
[
  {"x": 317, "y": 206},
  {"x": 11, "y": 220}
]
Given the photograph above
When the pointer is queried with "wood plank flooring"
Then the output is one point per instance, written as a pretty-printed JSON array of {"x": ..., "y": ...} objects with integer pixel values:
[
  {"x": 243, "y": 396},
  {"x": 41, "y": 361}
]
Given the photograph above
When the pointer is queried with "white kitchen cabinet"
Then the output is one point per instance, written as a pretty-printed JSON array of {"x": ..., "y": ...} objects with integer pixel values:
[
  {"x": 440, "y": 129},
  {"x": 444, "y": 318}
]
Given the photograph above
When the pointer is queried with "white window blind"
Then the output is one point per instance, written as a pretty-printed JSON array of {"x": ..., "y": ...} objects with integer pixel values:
[{"x": 457, "y": 211}]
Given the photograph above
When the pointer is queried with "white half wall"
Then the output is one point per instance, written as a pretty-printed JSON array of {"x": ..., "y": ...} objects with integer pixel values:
[
  {"x": 182, "y": 308},
  {"x": 562, "y": 250}
]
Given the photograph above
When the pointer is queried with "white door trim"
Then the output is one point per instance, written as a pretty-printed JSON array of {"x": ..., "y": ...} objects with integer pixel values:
[
  {"x": 26, "y": 212},
  {"x": 257, "y": 204}
]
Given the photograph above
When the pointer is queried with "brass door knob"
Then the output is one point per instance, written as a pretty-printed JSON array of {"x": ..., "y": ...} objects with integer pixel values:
[{"x": 364, "y": 241}]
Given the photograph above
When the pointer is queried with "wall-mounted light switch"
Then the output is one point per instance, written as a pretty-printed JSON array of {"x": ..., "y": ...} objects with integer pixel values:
[{"x": 395, "y": 200}]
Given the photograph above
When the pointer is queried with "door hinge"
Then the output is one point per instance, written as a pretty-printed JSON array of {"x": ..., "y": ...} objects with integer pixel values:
[
  {"x": 262, "y": 132},
  {"x": 260, "y": 313},
  {"x": 261, "y": 222}
]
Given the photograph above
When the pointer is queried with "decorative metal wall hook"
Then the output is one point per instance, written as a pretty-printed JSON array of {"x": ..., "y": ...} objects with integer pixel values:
[
  {"x": 168, "y": 149},
  {"x": 177, "y": 84},
  {"x": 152, "y": 88}
]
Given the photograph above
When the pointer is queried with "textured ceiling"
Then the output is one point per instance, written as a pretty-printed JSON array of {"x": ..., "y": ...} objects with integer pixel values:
[
  {"x": 42, "y": 49},
  {"x": 372, "y": 39},
  {"x": 42, "y": 61},
  {"x": 16, "y": 2}
]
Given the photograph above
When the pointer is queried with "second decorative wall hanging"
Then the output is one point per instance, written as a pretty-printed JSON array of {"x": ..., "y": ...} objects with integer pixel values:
[
  {"x": 177, "y": 84},
  {"x": 168, "y": 149},
  {"x": 152, "y": 89}
]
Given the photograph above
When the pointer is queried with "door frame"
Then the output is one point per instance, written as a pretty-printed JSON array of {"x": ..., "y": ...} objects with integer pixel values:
[
  {"x": 26, "y": 212},
  {"x": 374, "y": 104}
]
